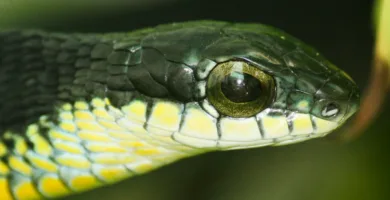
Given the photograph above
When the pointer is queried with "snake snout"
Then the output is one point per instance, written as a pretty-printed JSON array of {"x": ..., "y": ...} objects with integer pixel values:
[{"x": 339, "y": 99}]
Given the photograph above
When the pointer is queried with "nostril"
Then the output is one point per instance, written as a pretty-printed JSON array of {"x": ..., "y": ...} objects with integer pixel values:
[{"x": 330, "y": 110}]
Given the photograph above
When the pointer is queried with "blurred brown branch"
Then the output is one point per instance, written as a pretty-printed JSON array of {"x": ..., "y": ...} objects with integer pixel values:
[{"x": 379, "y": 84}]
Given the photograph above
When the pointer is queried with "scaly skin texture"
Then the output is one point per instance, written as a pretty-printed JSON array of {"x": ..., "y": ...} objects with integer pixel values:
[{"x": 80, "y": 111}]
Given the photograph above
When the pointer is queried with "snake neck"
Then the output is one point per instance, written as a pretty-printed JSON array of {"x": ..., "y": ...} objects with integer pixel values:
[{"x": 67, "y": 123}]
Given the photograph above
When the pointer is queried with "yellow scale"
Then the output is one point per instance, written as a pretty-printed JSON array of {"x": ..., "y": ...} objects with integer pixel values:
[{"x": 95, "y": 144}]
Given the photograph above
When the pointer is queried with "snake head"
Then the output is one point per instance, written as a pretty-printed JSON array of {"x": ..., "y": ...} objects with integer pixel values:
[{"x": 245, "y": 85}]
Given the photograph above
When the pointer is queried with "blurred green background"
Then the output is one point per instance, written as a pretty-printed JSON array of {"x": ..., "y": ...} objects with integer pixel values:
[{"x": 320, "y": 169}]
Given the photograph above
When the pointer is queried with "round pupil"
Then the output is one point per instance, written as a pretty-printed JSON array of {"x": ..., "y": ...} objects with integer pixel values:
[{"x": 239, "y": 87}]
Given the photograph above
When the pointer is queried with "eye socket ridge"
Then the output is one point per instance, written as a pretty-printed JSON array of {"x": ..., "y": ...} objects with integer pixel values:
[{"x": 238, "y": 89}]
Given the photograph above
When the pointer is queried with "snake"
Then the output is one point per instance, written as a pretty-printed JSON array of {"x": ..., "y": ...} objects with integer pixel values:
[{"x": 80, "y": 111}]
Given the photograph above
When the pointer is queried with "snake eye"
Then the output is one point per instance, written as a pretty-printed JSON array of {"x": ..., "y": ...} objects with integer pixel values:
[{"x": 237, "y": 89}]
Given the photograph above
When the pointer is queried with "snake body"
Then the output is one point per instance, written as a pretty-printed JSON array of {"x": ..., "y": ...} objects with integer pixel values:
[{"x": 79, "y": 111}]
